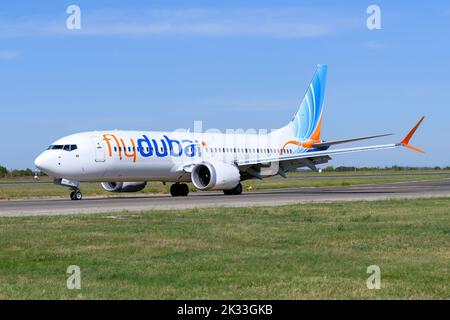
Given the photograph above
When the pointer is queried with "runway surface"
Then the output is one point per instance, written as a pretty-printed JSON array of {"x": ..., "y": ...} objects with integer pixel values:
[
  {"x": 438, "y": 188},
  {"x": 325, "y": 176}
]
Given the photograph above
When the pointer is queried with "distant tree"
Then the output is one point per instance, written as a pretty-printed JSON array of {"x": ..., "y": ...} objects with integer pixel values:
[
  {"x": 345, "y": 169},
  {"x": 3, "y": 171},
  {"x": 329, "y": 169},
  {"x": 22, "y": 173}
]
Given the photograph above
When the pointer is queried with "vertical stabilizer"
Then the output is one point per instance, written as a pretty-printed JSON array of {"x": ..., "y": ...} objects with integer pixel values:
[{"x": 307, "y": 122}]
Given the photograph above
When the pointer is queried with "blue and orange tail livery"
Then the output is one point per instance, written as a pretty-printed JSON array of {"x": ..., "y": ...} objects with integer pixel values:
[{"x": 308, "y": 119}]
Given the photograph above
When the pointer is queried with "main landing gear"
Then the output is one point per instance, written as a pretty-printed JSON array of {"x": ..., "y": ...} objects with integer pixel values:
[
  {"x": 76, "y": 195},
  {"x": 179, "y": 190},
  {"x": 235, "y": 191}
]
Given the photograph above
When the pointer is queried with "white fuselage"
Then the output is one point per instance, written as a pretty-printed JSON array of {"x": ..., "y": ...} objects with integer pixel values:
[{"x": 150, "y": 156}]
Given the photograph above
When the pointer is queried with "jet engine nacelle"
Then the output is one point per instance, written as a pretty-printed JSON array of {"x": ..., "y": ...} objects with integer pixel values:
[
  {"x": 215, "y": 176},
  {"x": 123, "y": 186}
]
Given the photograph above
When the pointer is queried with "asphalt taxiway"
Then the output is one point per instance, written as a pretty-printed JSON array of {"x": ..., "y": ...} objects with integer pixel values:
[{"x": 435, "y": 188}]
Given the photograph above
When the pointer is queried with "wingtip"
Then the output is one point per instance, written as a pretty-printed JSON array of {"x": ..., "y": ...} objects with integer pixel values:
[{"x": 405, "y": 141}]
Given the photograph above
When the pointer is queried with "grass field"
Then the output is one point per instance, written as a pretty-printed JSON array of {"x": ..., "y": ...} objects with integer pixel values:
[
  {"x": 308, "y": 251},
  {"x": 295, "y": 180}
]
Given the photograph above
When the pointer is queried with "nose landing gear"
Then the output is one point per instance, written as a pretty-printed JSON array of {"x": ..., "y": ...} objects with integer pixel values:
[
  {"x": 179, "y": 190},
  {"x": 76, "y": 195}
]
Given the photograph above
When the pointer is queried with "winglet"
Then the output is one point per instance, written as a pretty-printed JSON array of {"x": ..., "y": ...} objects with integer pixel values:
[{"x": 405, "y": 141}]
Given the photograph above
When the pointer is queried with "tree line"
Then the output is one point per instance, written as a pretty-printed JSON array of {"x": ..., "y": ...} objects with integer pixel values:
[{"x": 4, "y": 172}]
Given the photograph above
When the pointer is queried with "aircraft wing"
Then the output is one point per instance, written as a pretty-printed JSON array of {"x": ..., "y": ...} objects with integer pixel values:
[
  {"x": 317, "y": 154},
  {"x": 311, "y": 158},
  {"x": 334, "y": 142}
]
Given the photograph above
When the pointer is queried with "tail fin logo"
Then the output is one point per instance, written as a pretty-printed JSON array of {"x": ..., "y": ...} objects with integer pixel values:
[{"x": 307, "y": 122}]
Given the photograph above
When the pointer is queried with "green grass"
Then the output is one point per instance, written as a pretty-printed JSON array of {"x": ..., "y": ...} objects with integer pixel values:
[
  {"x": 89, "y": 189},
  {"x": 295, "y": 180},
  {"x": 307, "y": 251}
]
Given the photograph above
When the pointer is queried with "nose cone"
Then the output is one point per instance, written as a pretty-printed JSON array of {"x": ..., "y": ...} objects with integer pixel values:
[{"x": 43, "y": 162}]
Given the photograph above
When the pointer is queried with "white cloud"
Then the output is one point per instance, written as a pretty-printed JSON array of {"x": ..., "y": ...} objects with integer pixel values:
[
  {"x": 8, "y": 55},
  {"x": 236, "y": 22}
]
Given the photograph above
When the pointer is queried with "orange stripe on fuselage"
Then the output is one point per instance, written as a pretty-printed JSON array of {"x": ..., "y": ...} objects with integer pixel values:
[{"x": 315, "y": 138}]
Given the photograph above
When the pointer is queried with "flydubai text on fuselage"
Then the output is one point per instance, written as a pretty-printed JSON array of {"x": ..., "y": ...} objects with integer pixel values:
[
  {"x": 147, "y": 147},
  {"x": 123, "y": 161}
]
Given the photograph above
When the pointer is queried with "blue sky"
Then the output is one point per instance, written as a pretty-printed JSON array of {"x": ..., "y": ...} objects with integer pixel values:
[{"x": 160, "y": 65}]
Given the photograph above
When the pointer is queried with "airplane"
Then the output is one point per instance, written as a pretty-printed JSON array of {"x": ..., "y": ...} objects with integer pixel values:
[{"x": 124, "y": 161}]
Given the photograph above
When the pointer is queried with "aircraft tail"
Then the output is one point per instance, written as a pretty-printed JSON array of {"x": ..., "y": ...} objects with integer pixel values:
[{"x": 307, "y": 122}]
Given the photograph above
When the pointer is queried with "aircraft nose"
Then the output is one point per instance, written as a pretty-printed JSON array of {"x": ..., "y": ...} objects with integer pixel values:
[{"x": 42, "y": 162}]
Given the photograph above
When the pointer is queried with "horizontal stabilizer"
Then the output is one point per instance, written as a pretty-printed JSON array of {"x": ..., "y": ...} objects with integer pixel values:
[{"x": 331, "y": 143}]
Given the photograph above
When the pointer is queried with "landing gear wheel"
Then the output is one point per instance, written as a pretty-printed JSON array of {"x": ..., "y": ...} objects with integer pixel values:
[
  {"x": 238, "y": 189},
  {"x": 76, "y": 195},
  {"x": 179, "y": 190},
  {"x": 235, "y": 191},
  {"x": 183, "y": 190},
  {"x": 175, "y": 190}
]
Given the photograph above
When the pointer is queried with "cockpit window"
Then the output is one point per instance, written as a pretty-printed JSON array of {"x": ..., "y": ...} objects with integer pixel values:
[{"x": 67, "y": 147}]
